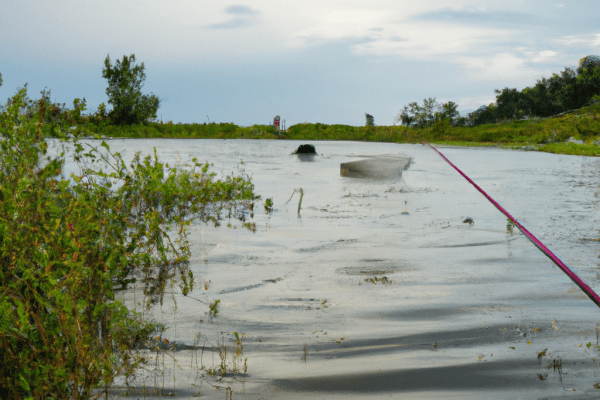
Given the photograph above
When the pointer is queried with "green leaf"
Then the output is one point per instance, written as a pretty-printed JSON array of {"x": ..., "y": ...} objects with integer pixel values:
[{"x": 24, "y": 383}]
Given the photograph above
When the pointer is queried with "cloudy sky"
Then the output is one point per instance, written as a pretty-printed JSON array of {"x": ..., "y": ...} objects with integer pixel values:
[{"x": 328, "y": 61}]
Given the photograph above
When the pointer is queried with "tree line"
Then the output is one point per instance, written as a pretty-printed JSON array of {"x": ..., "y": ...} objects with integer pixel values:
[{"x": 569, "y": 90}]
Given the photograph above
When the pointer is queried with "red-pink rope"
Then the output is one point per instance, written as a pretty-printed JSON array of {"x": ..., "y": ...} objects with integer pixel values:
[{"x": 588, "y": 291}]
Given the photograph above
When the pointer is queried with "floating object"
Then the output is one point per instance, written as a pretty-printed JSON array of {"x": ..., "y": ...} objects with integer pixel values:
[
  {"x": 586, "y": 289},
  {"x": 306, "y": 149},
  {"x": 376, "y": 167}
]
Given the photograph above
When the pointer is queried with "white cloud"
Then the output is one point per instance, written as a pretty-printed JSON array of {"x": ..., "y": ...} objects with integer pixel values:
[
  {"x": 215, "y": 32},
  {"x": 589, "y": 40},
  {"x": 505, "y": 67},
  {"x": 335, "y": 26},
  {"x": 541, "y": 57},
  {"x": 429, "y": 39}
]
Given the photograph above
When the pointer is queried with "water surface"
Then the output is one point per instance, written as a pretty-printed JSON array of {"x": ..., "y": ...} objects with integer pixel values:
[{"x": 469, "y": 307}]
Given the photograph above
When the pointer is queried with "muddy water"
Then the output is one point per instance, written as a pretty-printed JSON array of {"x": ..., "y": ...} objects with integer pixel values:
[{"x": 464, "y": 311}]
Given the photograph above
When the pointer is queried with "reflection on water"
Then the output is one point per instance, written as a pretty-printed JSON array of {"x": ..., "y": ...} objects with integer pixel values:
[{"x": 306, "y": 157}]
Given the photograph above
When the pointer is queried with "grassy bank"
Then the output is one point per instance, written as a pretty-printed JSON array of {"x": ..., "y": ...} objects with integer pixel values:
[
  {"x": 180, "y": 131},
  {"x": 548, "y": 135}
]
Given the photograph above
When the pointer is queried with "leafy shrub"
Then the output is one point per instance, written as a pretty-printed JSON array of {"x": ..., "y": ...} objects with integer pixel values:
[{"x": 67, "y": 246}]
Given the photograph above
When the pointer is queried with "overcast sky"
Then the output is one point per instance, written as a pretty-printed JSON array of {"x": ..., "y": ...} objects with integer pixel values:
[{"x": 311, "y": 60}]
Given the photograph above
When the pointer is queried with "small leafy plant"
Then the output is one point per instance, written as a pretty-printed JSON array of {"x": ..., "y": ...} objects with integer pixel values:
[
  {"x": 214, "y": 308},
  {"x": 510, "y": 226},
  {"x": 269, "y": 205}
]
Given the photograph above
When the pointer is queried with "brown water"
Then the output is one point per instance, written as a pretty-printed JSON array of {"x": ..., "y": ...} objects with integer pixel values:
[{"x": 469, "y": 307}]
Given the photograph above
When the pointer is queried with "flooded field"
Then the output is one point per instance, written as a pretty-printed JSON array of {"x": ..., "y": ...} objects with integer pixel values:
[{"x": 379, "y": 289}]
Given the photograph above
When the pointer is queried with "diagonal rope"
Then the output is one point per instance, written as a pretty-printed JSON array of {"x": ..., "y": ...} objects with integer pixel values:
[{"x": 587, "y": 290}]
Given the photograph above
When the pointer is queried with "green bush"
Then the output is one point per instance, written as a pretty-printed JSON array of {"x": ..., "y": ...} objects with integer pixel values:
[{"x": 68, "y": 246}]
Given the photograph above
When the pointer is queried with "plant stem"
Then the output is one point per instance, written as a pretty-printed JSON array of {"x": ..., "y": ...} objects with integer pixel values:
[{"x": 300, "y": 202}]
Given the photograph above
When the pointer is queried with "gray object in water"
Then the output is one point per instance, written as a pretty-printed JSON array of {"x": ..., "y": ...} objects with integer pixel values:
[{"x": 378, "y": 167}]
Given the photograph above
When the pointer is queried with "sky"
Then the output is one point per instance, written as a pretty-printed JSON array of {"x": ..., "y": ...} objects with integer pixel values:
[{"x": 307, "y": 61}]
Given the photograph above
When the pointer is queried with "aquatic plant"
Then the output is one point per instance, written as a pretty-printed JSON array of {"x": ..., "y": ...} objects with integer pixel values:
[
  {"x": 556, "y": 365},
  {"x": 301, "y": 192},
  {"x": 269, "y": 205},
  {"x": 213, "y": 307},
  {"x": 510, "y": 226},
  {"x": 300, "y": 201},
  {"x": 375, "y": 280},
  {"x": 305, "y": 352},
  {"x": 231, "y": 364}
]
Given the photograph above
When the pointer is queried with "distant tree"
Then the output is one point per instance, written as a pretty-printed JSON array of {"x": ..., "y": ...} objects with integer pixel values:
[
  {"x": 588, "y": 84},
  {"x": 450, "y": 112},
  {"x": 0, "y": 79},
  {"x": 125, "y": 81},
  {"x": 588, "y": 62},
  {"x": 539, "y": 101},
  {"x": 429, "y": 113},
  {"x": 567, "y": 90},
  {"x": 483, "y": 115},
  {"x": 564, "y": 91},
  {"x": 406, "y": 116},
  {"x": 414, "y": 114},
  {"x": 370, "y": 121},
  {"x": 510, "y": 104}
]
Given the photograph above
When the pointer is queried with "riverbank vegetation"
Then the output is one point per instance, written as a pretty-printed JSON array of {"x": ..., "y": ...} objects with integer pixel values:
[
  {"x": 70, "y": 244},
  {"x": 541, "y": 134}
]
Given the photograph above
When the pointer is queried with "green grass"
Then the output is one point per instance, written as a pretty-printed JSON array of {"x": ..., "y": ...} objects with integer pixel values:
[
  {"x": 548, "y": 135},
  {"x": 572, "y": 148},
  {"x": 181, "y": 131}
]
